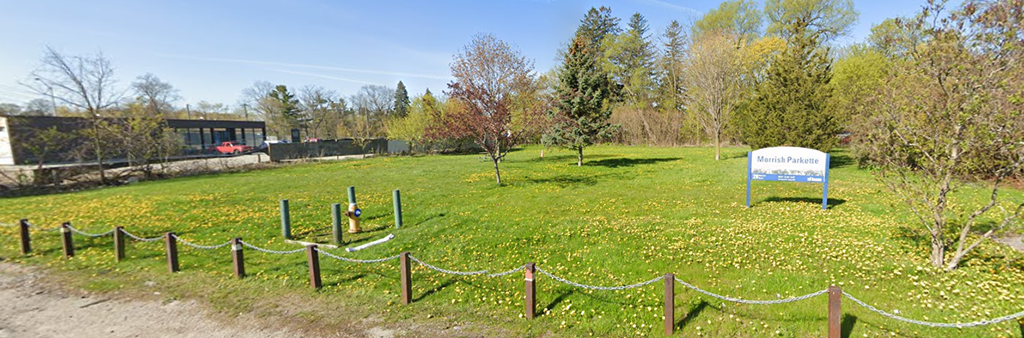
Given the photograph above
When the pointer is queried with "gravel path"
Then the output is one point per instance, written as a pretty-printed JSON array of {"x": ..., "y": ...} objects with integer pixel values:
[{"x": 32, "y": 309}]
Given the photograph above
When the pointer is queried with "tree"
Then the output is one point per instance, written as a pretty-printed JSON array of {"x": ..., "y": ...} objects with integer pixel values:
[
  {"x": 283, "y": 114},
  {"x": 714, "y": 75},
  {"x": 322, "y": 109},
  {"x": 424, "y": 112},
  {"x": 38, "y": 107},
  {"x": 83, "y": 82},
  {"x": 401, "y": 100},
  {"x": 950, "y": 112},
  {"x": 595, "y": 26},
  {"x": 790, "y": 106},
  {"x": 580, "y": 116},
  {"x": 158, "y": 96},
  {"x": 856, "y": 77},
  {"x": 375, "y": 103},
  {"x": 630, "y": 62},
  {"x": 740, "y": 18},
  {"x": 10, "y": 109},
  {"x": 825, "y": 20},
  {"x": 494, "y": 85}
]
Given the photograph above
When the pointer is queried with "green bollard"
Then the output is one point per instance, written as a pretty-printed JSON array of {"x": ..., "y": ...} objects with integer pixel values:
[
  {"x": 336, "y": 226},
  {"x": 286, "y": 221},
  {"x": 398, "y": 209},
  {"x": 351, "y": 195}
]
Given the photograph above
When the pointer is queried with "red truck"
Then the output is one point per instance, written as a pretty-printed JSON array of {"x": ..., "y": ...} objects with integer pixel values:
[{"x": 230, "y": 148}]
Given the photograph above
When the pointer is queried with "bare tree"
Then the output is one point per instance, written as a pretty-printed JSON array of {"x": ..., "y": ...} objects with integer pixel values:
[
  {"x": 374, "y": 103},
  {"x": 83, "y": 82},
  {"x": 158, "y": 96},
  {"x": 323, "y": 110},
  {"x": 495, "y": 87},
  {"x": 713, "y": 78}
]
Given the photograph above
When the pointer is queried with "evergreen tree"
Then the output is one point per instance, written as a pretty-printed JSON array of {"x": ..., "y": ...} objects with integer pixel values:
[
  {"x": 401, "y": 100},
  {"x": 581, "y": 112},
  {"x": 790, "y": 106},
  {"x": 595, "y": 26}
]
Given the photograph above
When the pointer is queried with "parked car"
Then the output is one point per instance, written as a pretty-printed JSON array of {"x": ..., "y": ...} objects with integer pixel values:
[
  {"x": 266, "y": 144},
  {"x": 230, "y": 148}
]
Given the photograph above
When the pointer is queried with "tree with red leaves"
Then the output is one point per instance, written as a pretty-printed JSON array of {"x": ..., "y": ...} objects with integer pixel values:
[{"x": 497, "y": 94}]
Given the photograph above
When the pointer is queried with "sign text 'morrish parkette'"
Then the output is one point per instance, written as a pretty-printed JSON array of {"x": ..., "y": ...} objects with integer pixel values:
[{"x": 787, "y": 159}]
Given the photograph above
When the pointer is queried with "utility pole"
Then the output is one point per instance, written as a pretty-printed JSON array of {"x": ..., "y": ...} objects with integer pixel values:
[
  {"x": 245, "y": 108},
  {"x": 188, "y": 113},
  {"x": 53, "y": 100}
]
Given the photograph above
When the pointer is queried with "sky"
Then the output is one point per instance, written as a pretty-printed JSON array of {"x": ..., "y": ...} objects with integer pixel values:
[{"x": 212, "y": 50}]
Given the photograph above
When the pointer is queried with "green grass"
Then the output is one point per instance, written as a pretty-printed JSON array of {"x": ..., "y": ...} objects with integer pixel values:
[{"x": 628, "y": 215}]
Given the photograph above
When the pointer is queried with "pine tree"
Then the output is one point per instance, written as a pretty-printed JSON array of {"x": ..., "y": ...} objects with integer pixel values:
[
  {"x": 790, "y": 107},
  {"x": 401, "y": 100},
  {"x": 595, "y": 26},
  {"x": 581, "y": 113}
]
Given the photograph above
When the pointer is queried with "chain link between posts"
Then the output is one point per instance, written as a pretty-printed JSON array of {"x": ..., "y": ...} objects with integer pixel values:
[
  {"x": 450, "y": 272},
  {"x": 30, "y": 225},
  {"x": 141, "y": 239},
  {"x": 758, "y": 302},
  {"x": 204, "y": 247},
  {"x": 509, "y": 272},
  {"x": 594, "y": 287},
  {"x": 370, "y": 261},
  {"x": 275, "y": 252},
  {"x": 934, "y": 324},
  {"x": 83, "y": 233}
]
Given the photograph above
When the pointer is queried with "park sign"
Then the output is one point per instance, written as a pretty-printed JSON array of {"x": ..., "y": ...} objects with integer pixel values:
[{"x": 789, "y": 164}]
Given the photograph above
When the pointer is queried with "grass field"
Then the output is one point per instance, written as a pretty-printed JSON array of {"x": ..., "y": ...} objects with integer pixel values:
[{"x": 628, "y": 215}]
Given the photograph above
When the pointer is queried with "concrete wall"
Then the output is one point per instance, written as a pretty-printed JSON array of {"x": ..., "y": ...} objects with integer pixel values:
[
  {"x": 6, "y": 153},
  {"x": 343, "y": 147}
]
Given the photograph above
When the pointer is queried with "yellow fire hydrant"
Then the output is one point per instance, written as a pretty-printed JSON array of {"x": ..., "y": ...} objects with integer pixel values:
[{"x": 353, "y": 214}]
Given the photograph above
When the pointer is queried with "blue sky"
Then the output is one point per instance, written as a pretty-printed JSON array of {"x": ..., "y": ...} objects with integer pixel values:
[{"x": 212, "y": 50}]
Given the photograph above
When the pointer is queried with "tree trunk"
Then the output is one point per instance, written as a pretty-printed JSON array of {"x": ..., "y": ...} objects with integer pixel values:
[
  {"x": 938, "y": 250},
  {"x": 579, "y": 158},
  {"x": 497, "y": 173},
  {"x": 718, "y": 145}
]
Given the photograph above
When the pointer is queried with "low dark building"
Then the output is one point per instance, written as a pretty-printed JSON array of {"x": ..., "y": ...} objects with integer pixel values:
[{"x": 19, "y": 141}]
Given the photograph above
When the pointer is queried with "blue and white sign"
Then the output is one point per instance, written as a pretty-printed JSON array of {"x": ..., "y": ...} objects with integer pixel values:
[{"x": 789, "y": 164}]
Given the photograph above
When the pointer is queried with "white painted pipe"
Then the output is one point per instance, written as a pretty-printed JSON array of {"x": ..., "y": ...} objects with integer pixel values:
[{"x": 367, "y": 245}]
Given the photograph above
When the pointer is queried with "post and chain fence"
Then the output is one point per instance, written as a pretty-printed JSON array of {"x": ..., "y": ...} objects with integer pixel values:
[{"x": 869, "y": 307}]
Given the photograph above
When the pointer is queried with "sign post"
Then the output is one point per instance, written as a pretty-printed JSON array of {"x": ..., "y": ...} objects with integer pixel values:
[{"x": 789, "y": 164}]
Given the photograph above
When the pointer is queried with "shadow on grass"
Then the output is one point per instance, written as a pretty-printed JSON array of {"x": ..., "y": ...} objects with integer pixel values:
[
  {"x": 627, "y": 162},
  {"x": 436, "y": 289},
  {"x": 558, "y": 300},
  {"x": 342, "y": 281},
  {"x": 840, "y": 161},
  {"x": 565, "y": 181},
  {"x": 832, "y": 202},
  {"x": 846, "y": 327},
  {"x": 692, "y": 314},
  {"x": 560, "y": 158}
]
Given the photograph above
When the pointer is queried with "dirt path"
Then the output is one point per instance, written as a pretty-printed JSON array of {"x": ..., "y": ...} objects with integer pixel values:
[{"x": 31, "y": 308}]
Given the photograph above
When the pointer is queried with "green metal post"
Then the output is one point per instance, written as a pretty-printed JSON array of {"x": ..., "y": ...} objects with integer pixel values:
[
  {"x": 398, "y": 209},
  {"x": 286, "y": 220},
  {"x": 351, "y": 195},
  {"x": 336, "y": 226}
]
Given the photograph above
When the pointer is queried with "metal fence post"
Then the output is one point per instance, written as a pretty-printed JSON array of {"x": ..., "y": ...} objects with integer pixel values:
[
  {"x": 286, "y": 220},
  {"x": 398, "y": 208},
  {"x": 336, "y": 222}
]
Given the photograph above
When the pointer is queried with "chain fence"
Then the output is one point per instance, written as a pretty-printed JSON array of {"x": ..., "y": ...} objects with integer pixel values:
[
  {"x": 141, "y": 239},
  {"x": 450, "y": 272},
  {"x": 509, "y": 272},
  {"x": 83, "y": 233},
  {"x": 594, "y": 287},
  {"x": 369, "y": 261},
  {"x": 203, "y": 247},
  {"x": 867, "y": 306},
  {"x": 759, "y": 302},
  {"x": 275, "y": 252},
  {"x": 933, "y": 324}
]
